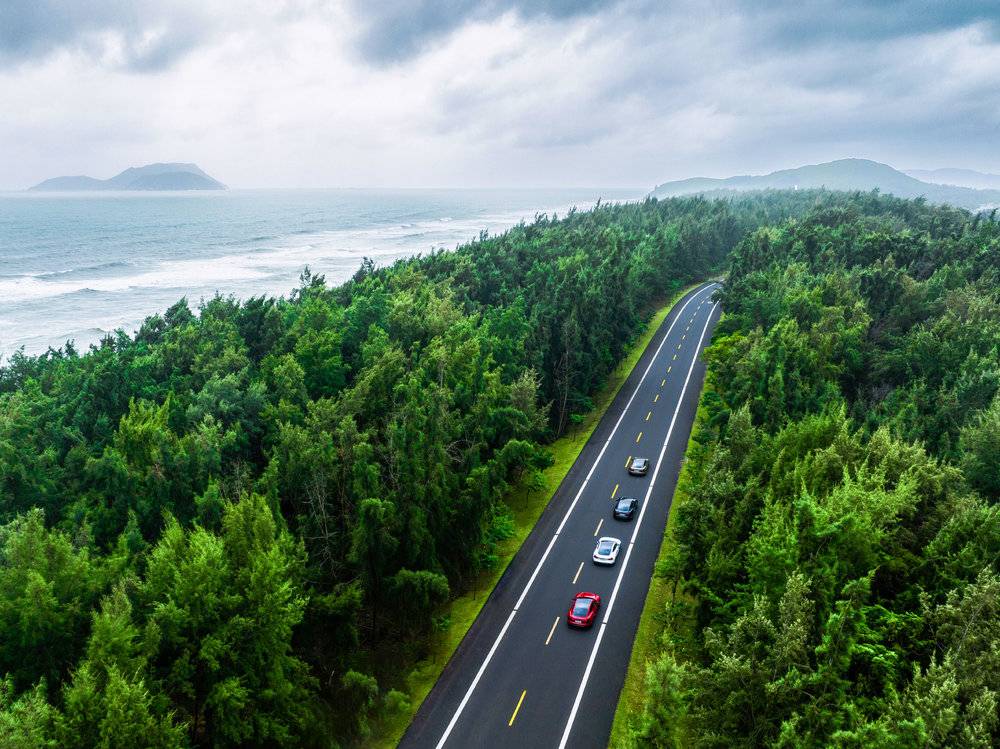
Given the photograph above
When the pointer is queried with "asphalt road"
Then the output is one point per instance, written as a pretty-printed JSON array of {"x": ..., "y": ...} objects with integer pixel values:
[{"x": 522, "y": 677}]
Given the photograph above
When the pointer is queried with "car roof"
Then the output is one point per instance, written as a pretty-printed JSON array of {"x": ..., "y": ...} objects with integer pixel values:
[
  {"x": 602, "y": 539},
  {"x": 585, "y": 595}
]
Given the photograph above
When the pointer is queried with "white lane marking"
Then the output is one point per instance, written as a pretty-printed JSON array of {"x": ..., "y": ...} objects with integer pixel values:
[
  {"x": 479, "y": 675},
  {"x": 631, "y": 543},
  {"x": 538, "y": 567},
  {"x": 577, "y": 575},
  {"x": 598, "y": 528},
  {"x": 535, "y": 573}
]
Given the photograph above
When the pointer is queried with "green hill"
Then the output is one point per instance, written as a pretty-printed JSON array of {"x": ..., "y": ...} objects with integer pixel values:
[{"x": 843, "y": 174}]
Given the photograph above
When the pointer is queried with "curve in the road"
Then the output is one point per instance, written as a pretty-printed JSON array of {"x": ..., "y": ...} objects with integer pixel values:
[{"x": 532, "y": 683}]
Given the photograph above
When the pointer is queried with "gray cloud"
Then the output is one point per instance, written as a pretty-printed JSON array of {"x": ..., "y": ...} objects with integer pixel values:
[
  {"x": 775, "y": 78},
  {"x": 395, "y": 30},
  {"x": 141, "y": 35},
  {"x": 795, "y": 24},
  {"x": 500, "y": 92}
]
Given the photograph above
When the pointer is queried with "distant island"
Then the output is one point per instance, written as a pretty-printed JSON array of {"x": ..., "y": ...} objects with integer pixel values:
[
  {"x": 843, "y": 174},
  {"x": 149, "y": 177}
]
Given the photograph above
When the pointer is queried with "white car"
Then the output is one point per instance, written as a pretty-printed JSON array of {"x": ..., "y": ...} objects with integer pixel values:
[{"x": 607, "y": 550}]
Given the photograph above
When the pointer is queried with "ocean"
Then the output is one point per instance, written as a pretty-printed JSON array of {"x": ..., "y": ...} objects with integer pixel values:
[{"x": 78, "y": 266}]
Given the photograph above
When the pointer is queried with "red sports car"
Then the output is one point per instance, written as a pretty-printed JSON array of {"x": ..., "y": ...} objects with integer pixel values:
[{"x": 583, "y": 610}]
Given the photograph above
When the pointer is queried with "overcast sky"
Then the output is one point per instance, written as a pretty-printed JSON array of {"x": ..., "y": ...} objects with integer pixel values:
[{"x": 389, "y": 93}]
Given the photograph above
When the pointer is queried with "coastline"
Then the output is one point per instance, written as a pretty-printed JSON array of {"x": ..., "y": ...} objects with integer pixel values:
[{"x": 108, "y": 260}]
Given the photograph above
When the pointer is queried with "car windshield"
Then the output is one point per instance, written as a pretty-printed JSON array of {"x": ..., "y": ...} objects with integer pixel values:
[
  {"x": 582, "y": 607},
  {"x": 624, "y": 504},
  {"x": 605, "y": 547},
  {"x": 639, "y": 463}
]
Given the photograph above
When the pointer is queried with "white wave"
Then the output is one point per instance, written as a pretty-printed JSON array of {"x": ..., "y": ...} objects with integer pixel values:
[
  {"x": 325, "y": 252},
  {"x": 173, "y": 274},
  {"x": 250, "y": 269}
]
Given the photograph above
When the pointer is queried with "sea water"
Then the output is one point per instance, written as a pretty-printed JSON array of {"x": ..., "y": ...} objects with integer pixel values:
[{"x": 77, "y": 266}]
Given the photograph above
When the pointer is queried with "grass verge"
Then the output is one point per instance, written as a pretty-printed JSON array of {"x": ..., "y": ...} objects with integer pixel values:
[
  {"x": 526, "y": 507},
  {"x": 654, "y": 622}
]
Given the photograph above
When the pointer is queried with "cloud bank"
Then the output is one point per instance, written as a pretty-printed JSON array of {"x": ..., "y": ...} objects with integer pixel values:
[{"x": 501, "y": 92}]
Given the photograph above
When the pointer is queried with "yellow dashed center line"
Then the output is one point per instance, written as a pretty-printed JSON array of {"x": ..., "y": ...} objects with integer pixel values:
[
  {"x": 628, "y": 460},
  {"x": 552, "y": 631},
  {"x": 663, "y": 381},
  {"x": 656, "y": 398},
  {"x": 675, "y": 358},
  {"x": 614, "y": 491},
  {"x": 669, "y": 367},
  {"x": 650, "y": 413},
  {"x": 598, "y": 528},
  {"x": 638, "y": 438},
  {"x": 511, "y": 722},
  {"x": 678, "y": 347},
  {"x": 578, "y": 571},
  {"x": 683, "y": 336}
]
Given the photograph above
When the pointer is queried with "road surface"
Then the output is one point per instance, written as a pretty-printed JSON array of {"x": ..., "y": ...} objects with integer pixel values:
[{"x": 521, "y": 677}]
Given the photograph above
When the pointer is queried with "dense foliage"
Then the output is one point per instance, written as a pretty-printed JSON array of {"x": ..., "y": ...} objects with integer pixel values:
[
  {"x": 836, "y": 559},
  {"x": 237, "y": 527}
]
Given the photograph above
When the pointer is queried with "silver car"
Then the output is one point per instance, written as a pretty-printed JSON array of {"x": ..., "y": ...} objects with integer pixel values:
[
  {"x": 639, "y": 467},
  {"x": 607, "y": 550}
]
